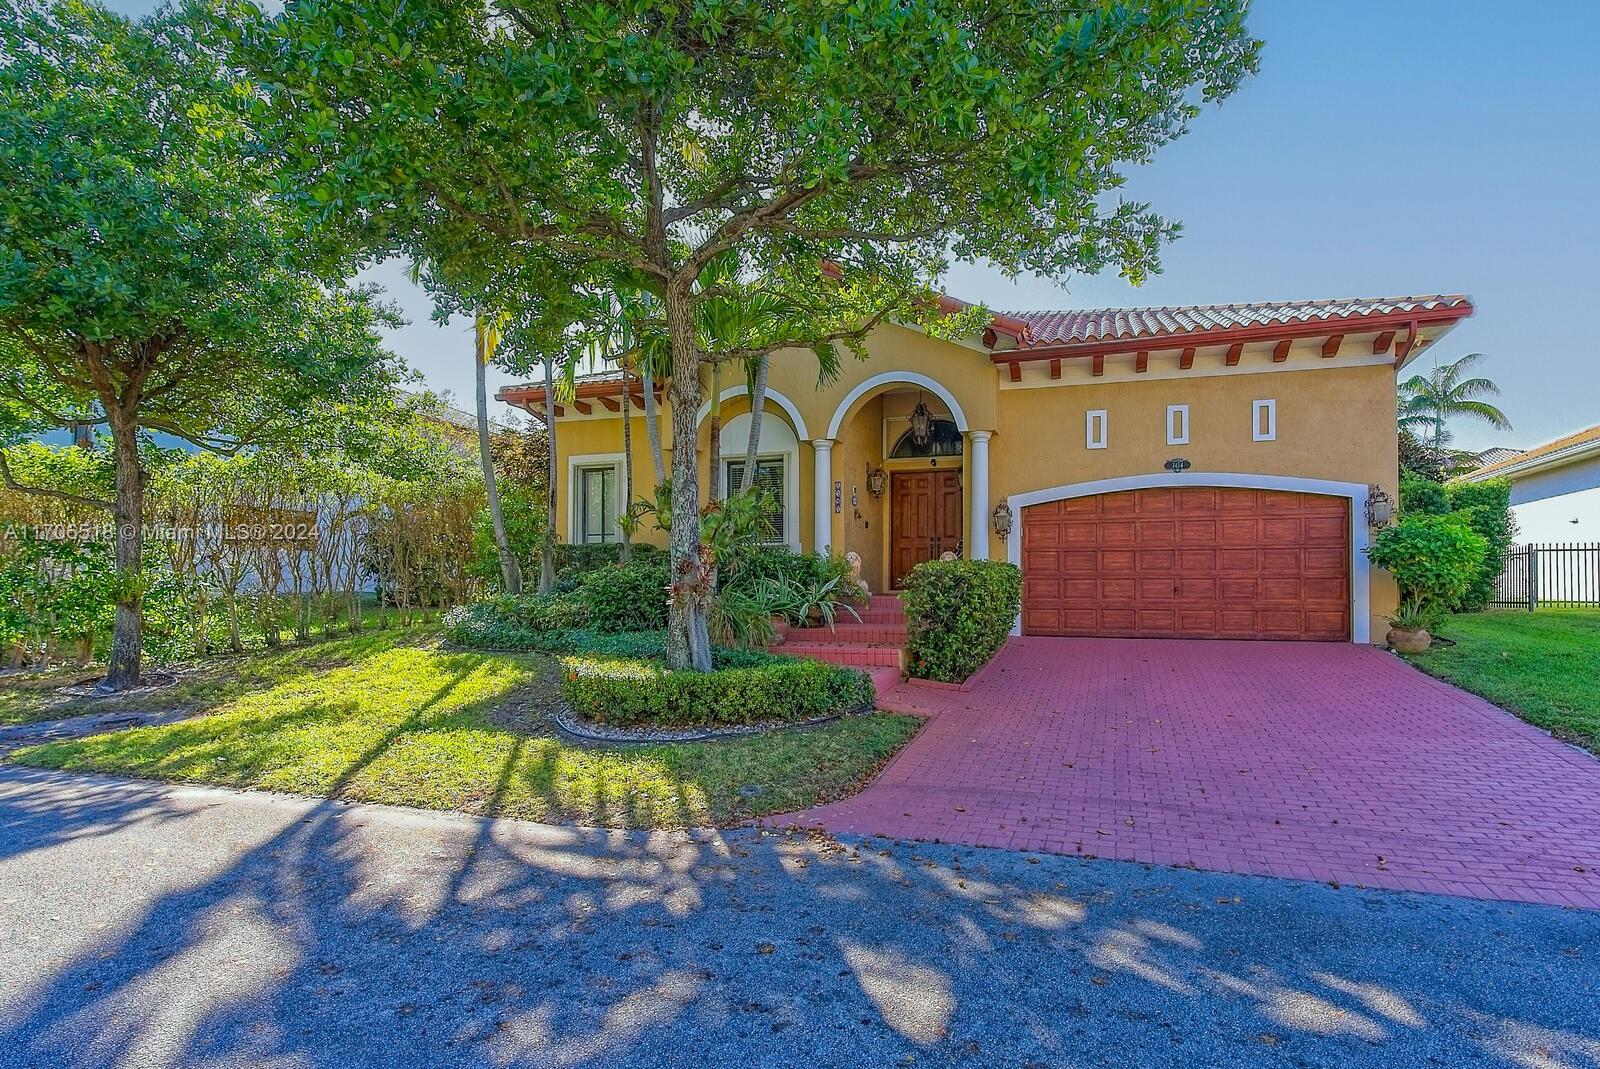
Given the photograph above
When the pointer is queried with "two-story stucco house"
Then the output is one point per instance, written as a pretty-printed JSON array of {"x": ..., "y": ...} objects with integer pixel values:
[{"x": 1197, "y": 472}]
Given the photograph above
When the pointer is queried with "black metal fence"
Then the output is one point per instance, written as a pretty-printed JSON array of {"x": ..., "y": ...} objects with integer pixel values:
[{"x": 1552, "y": 576}]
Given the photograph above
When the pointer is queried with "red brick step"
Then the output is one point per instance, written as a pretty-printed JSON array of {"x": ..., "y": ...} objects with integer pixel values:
[{"x": 856, "y": 655}]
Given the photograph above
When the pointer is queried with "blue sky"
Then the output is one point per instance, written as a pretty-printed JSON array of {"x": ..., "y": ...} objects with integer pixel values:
[{"x": 1407, "y": 146}]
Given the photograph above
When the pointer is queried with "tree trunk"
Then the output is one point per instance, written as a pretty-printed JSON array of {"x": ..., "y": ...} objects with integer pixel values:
[
  {"x": 714, "y": 438},
  {"x": 688, "y": 645},
  {"x": 627, "y": 467},
  {"x": 652, "y": 421},
  {"x": 547, "y": 549},
  {"x": 127, "y": 518},
  {"x": 510, "y": 570},
  {"x": 758, "y": 403}
]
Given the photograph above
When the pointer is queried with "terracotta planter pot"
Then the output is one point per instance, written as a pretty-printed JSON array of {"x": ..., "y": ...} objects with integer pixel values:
[{"x": 1406, "y": 641}]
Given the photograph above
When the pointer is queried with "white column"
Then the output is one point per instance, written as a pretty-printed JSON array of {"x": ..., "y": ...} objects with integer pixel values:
[
  {"x": 978, "y": 493},
  {"x": 822, "y": 499}
]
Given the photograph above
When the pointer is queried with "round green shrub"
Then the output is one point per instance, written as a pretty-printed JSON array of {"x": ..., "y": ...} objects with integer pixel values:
[
  {"x": 1418, "y": 493},
  {"x": 1433, "y": 558},
  {"x": 627, "y": 597},
  {"x": 958, "y": 614}
]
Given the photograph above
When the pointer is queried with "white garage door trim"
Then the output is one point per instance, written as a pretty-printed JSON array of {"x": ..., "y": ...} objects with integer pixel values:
[{"x": 1356, "y": 493}]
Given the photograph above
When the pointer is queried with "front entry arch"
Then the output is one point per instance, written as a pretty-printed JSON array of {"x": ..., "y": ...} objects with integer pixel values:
[{"x": 865, "y": 388}]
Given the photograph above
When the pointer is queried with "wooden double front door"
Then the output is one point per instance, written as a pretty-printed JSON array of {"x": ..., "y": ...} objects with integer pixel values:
[{"x": 925, "y": 519}]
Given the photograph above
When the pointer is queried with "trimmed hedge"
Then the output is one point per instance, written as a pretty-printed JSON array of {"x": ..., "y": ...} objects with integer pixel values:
[
  {"x": 620, "y": 677},
  {"x": 958, "y": 614},
  {"x": 747, "y": 688},
  {"x": 1483, "y": 506}
]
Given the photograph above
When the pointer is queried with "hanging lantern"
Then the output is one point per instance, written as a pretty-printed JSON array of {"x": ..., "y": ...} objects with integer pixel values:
[{"x": 921, "y": 424}]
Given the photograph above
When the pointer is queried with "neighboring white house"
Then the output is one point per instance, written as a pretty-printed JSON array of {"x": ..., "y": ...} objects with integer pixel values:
[{"x": 1555, "y": 488}]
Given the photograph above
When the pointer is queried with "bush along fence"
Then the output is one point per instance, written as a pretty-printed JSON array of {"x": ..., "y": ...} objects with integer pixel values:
[
  {"x": 1554, "y": 575},
  {"x": 958, "y": 614},
  {"x": 240, "y": 553}
]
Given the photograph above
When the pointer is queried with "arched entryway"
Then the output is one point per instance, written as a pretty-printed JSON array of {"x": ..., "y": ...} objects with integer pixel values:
[{"x": 901, "y": 477}]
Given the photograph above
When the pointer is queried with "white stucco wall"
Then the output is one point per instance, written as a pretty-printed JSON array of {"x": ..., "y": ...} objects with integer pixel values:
[
  {"x": 1547, "y": 503},
  {"x": 1551, "y": 520}
]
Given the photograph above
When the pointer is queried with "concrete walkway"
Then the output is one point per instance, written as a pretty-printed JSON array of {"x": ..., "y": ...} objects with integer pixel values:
[
  {"x": 1315, "y": 761},
  {"x": 161, "y": 927}
]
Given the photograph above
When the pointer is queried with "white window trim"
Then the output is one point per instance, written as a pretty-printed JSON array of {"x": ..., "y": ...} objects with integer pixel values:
[
  {"x": 789, "y": 536},
  {"x": 1360, "y": 567},
  {"x": 576, "y": 464},
  {"x": 1089, "y": 439},
  {"x": 1178, "y": 428},
  {"x": 1270, "y": 407}
]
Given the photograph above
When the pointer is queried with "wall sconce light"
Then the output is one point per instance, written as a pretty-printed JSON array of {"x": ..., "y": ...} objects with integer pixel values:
[
  {"x": 1002, "y": 519},
  {"x": 877, "y": 481},
  {"x": 1380, "y": 506}
]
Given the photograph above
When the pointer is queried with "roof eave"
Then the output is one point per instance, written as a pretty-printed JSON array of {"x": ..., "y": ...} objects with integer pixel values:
[
  {"x": 1512, "y": 469},
  {"x": 1313, "y": 328}
]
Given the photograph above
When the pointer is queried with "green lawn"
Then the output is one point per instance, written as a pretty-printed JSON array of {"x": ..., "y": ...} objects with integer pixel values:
[
  {"x": 1544, "y": 666},
  {"x": 391, "y": 717},
  {"x": 26, "y": 697}
]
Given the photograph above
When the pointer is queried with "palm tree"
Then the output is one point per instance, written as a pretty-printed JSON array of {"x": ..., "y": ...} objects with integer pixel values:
[
  {"x": 1428, "y": 402},
  {"x": 547, "y": 550},
  {"x": 743, "y": 319},
  {"x": 487, "y": 327}
]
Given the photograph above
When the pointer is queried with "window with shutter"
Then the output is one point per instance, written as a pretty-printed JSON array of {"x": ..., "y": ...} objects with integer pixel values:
[{"x": 769, "y": 480}]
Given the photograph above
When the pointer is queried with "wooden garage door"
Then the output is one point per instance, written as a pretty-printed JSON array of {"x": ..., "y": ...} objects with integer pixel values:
[{"x": 1191, "y": 562}]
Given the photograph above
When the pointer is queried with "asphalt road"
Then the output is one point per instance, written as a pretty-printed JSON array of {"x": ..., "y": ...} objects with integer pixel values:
[{"x": 152, "y": 926}]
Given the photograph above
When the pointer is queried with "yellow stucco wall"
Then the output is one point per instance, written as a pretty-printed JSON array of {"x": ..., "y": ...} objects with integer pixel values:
[
  {"x": 864, "y": 526},
  {"x": 1336, "y": 423},
  {"x": 576, "y": 438},
  {"x": 1333, "y": 423}
]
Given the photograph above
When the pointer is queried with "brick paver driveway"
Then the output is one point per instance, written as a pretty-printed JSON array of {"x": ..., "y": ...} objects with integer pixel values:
[{"x": 1304, "y": 760}]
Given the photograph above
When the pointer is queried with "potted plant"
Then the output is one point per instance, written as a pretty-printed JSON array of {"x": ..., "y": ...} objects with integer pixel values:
[
  {"x": 1408, "y": 628},
  {"x": 1433, "y": 560}
]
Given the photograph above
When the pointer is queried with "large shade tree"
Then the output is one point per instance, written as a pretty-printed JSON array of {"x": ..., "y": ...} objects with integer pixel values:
[
  {"x": 652, "y": 136},
  {"x": 148, "y": 281}
]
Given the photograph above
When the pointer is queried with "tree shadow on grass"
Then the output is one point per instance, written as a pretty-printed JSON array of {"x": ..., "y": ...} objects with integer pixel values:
[{"x": 335, "y": 935}]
